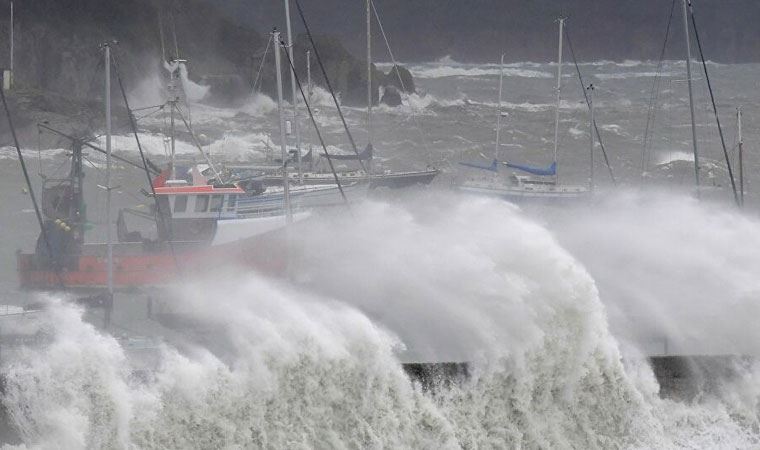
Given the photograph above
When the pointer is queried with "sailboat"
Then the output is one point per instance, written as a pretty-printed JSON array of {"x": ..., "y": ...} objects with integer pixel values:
[
  {"x": 199, "y": 228},
  {"x": 377, "y": 178},
  {"x": 531, "y": 183}
]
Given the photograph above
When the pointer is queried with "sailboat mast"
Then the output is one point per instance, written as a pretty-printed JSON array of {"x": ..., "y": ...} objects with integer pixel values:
[
  {"x": 559, "y": 93},
  {"x": 296, "y": 127},
  {"x": 741, "y": 155},
  {"x": 691, "y": 94},
  {"x": 281, "y": 112},
  {"x": 498, "y": 117},
  {"x": 11, "y": 83},
  {"x": 172, "y": 104},
  {"x": 308, "y": 75},
  {"x": 591, "y": 133},
  {"x": 109, "y": 244},
  {"x": 369, "y": 79}
]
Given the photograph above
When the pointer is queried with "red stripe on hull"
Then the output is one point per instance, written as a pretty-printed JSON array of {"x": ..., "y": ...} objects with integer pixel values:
[{"x": 158, "y": 268}]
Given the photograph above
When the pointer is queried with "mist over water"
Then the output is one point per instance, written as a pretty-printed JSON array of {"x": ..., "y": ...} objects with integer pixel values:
[
  {"x": 555, "y": 309},
  {"x": 535, "y": 304}
]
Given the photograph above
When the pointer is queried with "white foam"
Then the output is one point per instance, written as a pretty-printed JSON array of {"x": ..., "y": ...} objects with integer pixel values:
[
  {"x": 442, "y": 71},
  {"x": 258, "y": 104},
  {"x": 193, "y": 91},
  {"x": 625, "y": 75}
]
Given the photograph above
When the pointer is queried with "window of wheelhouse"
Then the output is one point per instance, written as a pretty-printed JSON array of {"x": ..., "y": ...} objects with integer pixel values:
[
  {"x": 216, "y": 203},
  {"x": 201, "y": 203},
  {"x": 180, "y": 203},
  {"x": 232, "y": 202}
]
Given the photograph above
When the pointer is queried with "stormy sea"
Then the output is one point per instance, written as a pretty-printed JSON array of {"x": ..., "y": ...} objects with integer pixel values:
[{"x": 554, "y": 309}]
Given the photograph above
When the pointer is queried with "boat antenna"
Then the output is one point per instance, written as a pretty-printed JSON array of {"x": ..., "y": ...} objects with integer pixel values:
[
  {"x": 691, "y": 94},
  {"x": 585, "y": 95},
  {"x": 561, "y": 21},
  {"x": 319, "y": 136},
  {"x": 283, "y": 143},
  {"x": 329, "y": 85},
  {"x": 296, "y": 128},
  {"x": 30, "y": 187},
  {"x": 715, "y": 108}
]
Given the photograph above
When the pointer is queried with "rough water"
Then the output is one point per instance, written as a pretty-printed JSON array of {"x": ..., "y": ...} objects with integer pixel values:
[{"x": 555, "y": 309}]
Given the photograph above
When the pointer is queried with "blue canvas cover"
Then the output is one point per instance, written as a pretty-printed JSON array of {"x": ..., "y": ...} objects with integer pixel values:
[{"x": 548, "y": 171}]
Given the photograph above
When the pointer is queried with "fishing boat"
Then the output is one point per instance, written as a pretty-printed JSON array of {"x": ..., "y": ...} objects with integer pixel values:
[
  {"x": 198, "y": 228},
  {"x": 532, "y": 183}
]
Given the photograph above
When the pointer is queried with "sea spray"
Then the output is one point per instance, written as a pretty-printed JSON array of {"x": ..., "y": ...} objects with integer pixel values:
[
  {"x": 316, "y": 363},
  {"x": 670, "y": 266}
]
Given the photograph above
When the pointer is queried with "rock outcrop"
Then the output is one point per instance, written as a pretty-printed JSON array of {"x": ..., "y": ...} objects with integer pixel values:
[
  {"x": 391, "y": 96},
  {"x": 400, "y": 78}
]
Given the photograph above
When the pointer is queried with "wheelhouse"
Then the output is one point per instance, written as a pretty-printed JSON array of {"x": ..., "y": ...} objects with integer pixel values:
[{"x": 199, "y": 202}]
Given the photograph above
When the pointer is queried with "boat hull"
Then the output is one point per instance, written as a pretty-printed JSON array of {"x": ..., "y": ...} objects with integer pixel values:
[
  {"x": 137, "y": 265},
  {"x": 396, "y": 180},
  {"x": 523, "y": 195}
]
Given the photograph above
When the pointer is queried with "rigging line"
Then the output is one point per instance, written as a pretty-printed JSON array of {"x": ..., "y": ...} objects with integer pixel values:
[
  {"x": 329, "y": 86},
  {"x": 715, "y": 108},
  {"x": 655, "y": 93},
  {"x": 145, "y": 116},
  {"x": 261, "y": 66},
  {"x": 398, "y": 74},
  {"x": 588, "y": 104},
  {"x": 200, "y": 148},
  {"x": 159, "y": 107},
  {"x": 92, "y": 146},
  {"x": 56, "y": 262},
  {"x": 159, "y": 216},
  {"x": 316, "y": 128}
]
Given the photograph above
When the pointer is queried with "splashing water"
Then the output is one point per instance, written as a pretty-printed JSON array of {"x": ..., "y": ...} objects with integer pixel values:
[
  {"x": 316, "y": 363},
  {"x": 193, "y": 91}
]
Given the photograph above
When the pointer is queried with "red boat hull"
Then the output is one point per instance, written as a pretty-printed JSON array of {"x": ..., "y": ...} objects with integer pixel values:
[{"x": 136, "y": 266}]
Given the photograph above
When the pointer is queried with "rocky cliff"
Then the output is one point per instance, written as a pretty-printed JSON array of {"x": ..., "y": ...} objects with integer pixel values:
[{"x": 57, "y": 49}]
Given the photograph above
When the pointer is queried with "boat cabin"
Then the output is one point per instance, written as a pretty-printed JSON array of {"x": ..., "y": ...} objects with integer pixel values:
[{"x": 180, "y": 201}]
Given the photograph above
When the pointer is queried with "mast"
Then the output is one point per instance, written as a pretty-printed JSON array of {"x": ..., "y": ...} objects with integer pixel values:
[
  {"x": 172, "y": 105},
  {"x": 691, "y": 94},
  {"x": 591, "y": 133},
  {"x": 283, "y": 144},
  {"x": 559, "y": 93},
  {"x": 308, "y": 97},
  {"x": 741, "y": 155},
  {"x": 308, "y": 75},
  {"x": 369, "y": 82},
  {"x": 107, "y": 48},
  {"x": 11, "y": 83},
  {"x": 297, "y": 128},
  {"x": 498, "y": 117}
]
